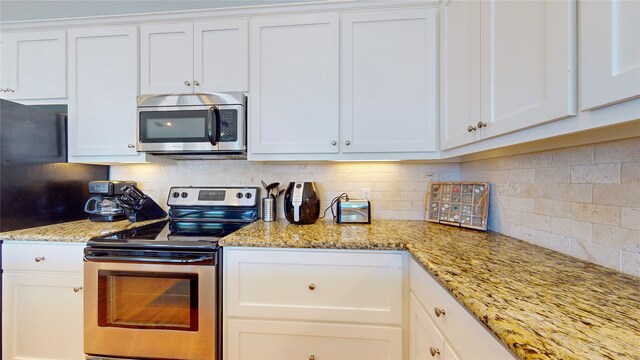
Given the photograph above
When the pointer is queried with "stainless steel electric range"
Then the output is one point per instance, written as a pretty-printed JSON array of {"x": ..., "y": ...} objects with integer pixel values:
[{"x": 154, "y": 292}]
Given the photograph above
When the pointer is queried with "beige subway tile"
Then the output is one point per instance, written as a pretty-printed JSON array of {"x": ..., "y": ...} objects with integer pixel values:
[
  {"x": 535, "y": 221},
  {"x": 630, "y": 263},
  {"x": 502, "y": 163},
  {"x": 553, "y": 208},
  {"x": 515, "y": 203},
  {"x": 621, "y": 195},
  {"x": 508, "y": 189},
  {"x": 595, "y": 253},
  {"x": 505, "y": 215},
  {"x": 630, "y": 218},
  {"x": 499, "y": 226},
  {"x": 497, "y": 176},
  {"x": 577, "y": 155},
  {"x": 553, "y": 241},
  {"x": 630, "y": 173},
  {"x": 572, "y": 192},
  {"x": 522, "y": 176},
  {"x": 571, "y": 228},
  {"x": 522, "y": 233},
  {"x": 623, "y": 239},
  {"x": 535, "y": 160},
  {"x": 534, "y": 191},
  {"x": 618, "y": 151},
  {"x": 597, "y": 214},
  {"x": 471, "y": 166},
  {"x": 555, "y": 174},
  {"x": 412, "y": 196},
  {"x": 596, "y": 174}
]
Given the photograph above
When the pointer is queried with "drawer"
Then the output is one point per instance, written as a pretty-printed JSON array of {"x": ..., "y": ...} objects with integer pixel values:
[
  {"x": 280, "y": 340},
  {"x": 469, "y": 337},
  {"x": 327, "y": 285},
  {"x": 40, "y": 256},
  {"x": 424, "y": 335}
]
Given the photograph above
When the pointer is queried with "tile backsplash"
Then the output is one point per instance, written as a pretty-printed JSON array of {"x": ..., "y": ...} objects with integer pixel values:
[{"x": 583, "y": 201}]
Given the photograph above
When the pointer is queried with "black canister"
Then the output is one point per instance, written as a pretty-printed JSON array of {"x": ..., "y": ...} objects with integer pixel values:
[{"x": 301, "y": 203}]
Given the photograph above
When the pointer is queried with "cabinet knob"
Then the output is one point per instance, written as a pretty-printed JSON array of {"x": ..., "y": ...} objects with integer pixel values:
[
  {"x": 312, "y": 286},
  {"x": 187, "y": 83},
  {"x": 438, "y": 311},
  {"x": 3, "y": 90},
  {"x": 196, "y": 83},
  {"x": 39, "y": 258},
  {"x": 471, "y": 128},
  {"x": 10, "y": 90},
  {"x": 131, "y": 146},
  {"x": 347, "y": 142},
  {"x": 334, "y": 143},
  {"x": 433, "y": 351},
  {"x": 481, "y": 124},
  {"x": 77, "y": 289},
  {"x": 312, "y": 357}
]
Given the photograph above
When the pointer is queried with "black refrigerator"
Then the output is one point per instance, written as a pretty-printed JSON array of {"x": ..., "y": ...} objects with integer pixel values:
[{"x": 37, "y": 185}]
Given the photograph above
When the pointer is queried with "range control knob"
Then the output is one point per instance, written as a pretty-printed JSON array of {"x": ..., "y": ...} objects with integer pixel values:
[
  {"x": 175, "y": 194},
  {"x": 184, "y": 195},
  {"x": 248, "y": 195},
  {"x": 239, "y": 195}
]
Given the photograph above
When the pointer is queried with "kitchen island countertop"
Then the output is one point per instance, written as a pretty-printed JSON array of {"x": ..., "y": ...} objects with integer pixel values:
[{"x": 542, "y": 304}]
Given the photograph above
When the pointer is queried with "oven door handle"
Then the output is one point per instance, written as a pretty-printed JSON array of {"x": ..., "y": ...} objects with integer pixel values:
[{"x": 203, "y": 258}]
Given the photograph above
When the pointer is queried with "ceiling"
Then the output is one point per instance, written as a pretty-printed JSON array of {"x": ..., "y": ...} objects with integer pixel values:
[{"x": 17, "y": 10}]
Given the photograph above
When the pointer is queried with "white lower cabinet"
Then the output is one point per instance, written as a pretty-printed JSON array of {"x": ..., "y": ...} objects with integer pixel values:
[
  {"x": 42, "y": 301},
  {"x": 313, "y": 304}
]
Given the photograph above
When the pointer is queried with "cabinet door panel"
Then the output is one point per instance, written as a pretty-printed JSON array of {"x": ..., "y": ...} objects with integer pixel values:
[
  {"x": 424, "y": 335},
  {"x": 459, "y": 72},
  {"x": 294, "y": 84},
  {"x": 221, "y": 56},
  {"x": 528, "y": 63},
  {"x": 41, "y": 316},
  {"x": 103, "y": 68},
  {"x": 35, "y": 65},
  {"x": 389, "y": 81},
  {"x": 609, "y": 52},
  {"x": 166, "y": 58}
]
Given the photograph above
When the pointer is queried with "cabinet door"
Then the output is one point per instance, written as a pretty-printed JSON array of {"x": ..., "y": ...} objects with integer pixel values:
[
  {"x": 294, "y": 84},
  {"x": 609, "y": 52},
  {"x": 34, "y": 65},
  {"x": 389, "y": 81},
  {"x": 221, "y": 56},
  {"x": 166, "y": 58},
  {"x": 459, "y": 72},
  {"x": 42, "y": 316},
  {"x": 103, "y": 64},
  {"x": 280, "y": 340},
  {"x": 424, "y": 336},
  {"x": 528, "y": 54}
]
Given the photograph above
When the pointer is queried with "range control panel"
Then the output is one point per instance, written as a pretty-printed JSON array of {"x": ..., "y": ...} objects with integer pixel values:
[{"x": 213, "y": 196}]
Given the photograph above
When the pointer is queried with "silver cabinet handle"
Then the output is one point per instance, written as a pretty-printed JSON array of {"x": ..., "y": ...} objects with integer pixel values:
[
  {"x": 347, "y": 142},
  {"x": 438, "y": 311},
  {"x": 10, "y": 90},
  {"x": 77, "y": 289},
  {"x": 312, "y": 357},
  {"x": 39, "y": 258},
  {"x": 131, "y": 146},
  {"x": 186, "y": 82},
  {"x": 312, "y": 286},
  {"x": 3, "y": 90},
  {"x": 196, "y": 83},
  {"x": 334, "y": 143},
  {"x": 471, "y": 128},
  {"x": 481, "y": 124},
  {"x": 434, "y": 351}
]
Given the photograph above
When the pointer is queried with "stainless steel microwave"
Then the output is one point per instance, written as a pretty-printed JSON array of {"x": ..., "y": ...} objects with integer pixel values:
[{"x": 193, "y": 126}]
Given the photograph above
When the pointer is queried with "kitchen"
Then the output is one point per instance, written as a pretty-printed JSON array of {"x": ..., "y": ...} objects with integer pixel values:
[{"x": 551, "y": 122}]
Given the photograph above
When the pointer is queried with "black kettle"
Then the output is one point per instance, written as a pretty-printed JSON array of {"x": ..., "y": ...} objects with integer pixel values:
[{"x": 301, "y": 203}]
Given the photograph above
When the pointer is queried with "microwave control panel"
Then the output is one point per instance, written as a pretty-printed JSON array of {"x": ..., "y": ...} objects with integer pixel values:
[{"x": 228, "y": 125}]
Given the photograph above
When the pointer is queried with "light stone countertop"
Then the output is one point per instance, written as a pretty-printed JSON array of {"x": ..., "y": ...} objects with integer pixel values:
[{"x": 542, "y": 304}]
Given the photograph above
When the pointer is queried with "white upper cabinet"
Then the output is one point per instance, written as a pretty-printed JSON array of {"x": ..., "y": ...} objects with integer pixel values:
[
  {"x": 609, "y": 52},
  {"x": 203, "y": 56},
  {"x": 34, "y": 66},
  {"x": 389, "y": 62},
  {"x": 103, "y": 72},
  {"x": 505, "y": 66},
  {"x": 294, "y": 82}
]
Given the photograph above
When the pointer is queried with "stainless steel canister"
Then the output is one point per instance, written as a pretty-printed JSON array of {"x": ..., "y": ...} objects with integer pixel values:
[{"x": 269, "y": 208}]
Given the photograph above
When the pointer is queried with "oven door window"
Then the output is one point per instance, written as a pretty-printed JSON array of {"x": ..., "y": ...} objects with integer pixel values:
[
  {"x": 142, "y": 300},
  {"x": 174, "y": 126}
]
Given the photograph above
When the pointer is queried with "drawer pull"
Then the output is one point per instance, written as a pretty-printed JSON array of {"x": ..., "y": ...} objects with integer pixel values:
[
  {"x": 312, "y": 287},
  {"x": 438, "y": 311},
  {"x": 77, "y": 289},
  {"x": 312, "y": 357},
  {"x": 434, "y": 351},
  {"x": 39, "y": 258}
]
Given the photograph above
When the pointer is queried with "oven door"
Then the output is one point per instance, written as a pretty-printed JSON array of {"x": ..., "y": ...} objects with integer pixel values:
[{"x": 142, "y": 308}]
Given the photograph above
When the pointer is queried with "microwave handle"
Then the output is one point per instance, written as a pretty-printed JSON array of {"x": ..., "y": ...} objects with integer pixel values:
[{"x": 213, "y": 126}]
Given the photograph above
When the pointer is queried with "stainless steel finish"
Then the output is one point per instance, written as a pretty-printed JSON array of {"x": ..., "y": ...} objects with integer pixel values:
[
  {"x": 202, "y": 99},
  {"x": 471, "y": 128},
  {"x": 39, "y": 258},
  {"x": 186, "y": 82},
  {"x": 151, "y": 343},
  {"x": 196, "y": 83},
  {"x": 347, "y": 142},
  {"x": 334, "y": 143},
  {"x": 231, "y": 197},
  {"x": 312, "y": 286},
  {"x": 434, "y": 351},
  {"x": 481, "y": 124},
  {"x": 269, "y": 209},
  {"x": 438, "y": 311},
  {"x": 142, "y": 259},
  {"x": 354, "y": 211},
  {"x": 131, "y": 146},
  {"x": 77, "y": 289}
]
